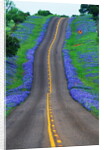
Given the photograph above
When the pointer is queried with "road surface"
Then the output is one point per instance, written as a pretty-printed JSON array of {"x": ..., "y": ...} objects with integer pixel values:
[{"x": 50, "y": 117}]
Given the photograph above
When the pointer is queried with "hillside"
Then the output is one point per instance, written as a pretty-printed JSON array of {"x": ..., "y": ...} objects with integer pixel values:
[
  {"x": 81, "y": 61},
  {"x": 53, "y": 113},
  {"x": 80, "y": 54},
  {"x": 19, "y": 68}
]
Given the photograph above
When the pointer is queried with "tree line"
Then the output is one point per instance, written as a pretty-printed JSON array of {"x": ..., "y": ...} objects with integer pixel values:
[
  {"x": 13, "y": 13},
  {"x": 93, "y": 10},
  {"x": 17, "y": 16},
  {"x": 90, "y": 9}
]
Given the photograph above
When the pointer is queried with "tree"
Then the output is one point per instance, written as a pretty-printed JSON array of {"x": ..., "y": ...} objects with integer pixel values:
[
  {"x": 44, "y": 12},
  {"x": 16, "y": 15},
  {"x": 83, "y": 8},
  {"x": 63, "y": 16},
  {"x": 90, "y": 9},
  {"x": 94, "y": 10},
  {"x": 9, "y": 5},
  {"x": 27, "y": 14},
  {"x": 12, "y": 45},
  {"x": 13, "y": 13}
]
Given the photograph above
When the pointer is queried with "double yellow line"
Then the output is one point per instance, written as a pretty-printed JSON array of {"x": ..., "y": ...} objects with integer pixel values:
[{"x": 53, "y": 136}]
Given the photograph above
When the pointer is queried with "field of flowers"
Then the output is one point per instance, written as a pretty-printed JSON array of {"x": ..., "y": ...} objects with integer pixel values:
[
  {"x": 19, "y": 69},
  {"x": 81, "y": 62}
]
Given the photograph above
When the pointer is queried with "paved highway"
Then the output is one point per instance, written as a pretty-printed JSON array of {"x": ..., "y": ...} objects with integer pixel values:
[{"x": 50, "y": 117}]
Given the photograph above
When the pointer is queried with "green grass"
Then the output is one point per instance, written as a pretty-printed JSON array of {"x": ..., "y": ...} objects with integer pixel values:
[
  {"x": 88, "y": 44},
  {"x": 28, "y": 44},
  {"x": 9, "y": 111},
  {"x": 95, "y": 112}
]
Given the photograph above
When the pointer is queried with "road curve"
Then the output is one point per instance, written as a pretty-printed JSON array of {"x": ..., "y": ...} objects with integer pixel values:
[{"x": 27, "y": 127}]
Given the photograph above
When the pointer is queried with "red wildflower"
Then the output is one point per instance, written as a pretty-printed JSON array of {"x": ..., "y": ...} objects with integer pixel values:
[{"x": 79, "y": 31}]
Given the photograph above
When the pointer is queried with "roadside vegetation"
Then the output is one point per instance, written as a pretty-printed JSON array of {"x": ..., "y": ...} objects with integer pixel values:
[
  {"x": 81, "y": 51},
  {"x": 24, "y": 33},
  {"x": 22, "y": 39}
]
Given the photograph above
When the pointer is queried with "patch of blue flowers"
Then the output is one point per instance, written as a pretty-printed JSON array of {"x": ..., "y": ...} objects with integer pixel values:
[
  {"x": 76, "y": 87},
  {"x": 86, "y": 25},
  {"x": 24, "y": 30},
  {"x": 10, "y": 70},
  {"x": 85, "y": 98},
  {"x": 89, "y": 27},
  {"x": 68, "y": 33},
  {"x": 90, "y": 61},
  {"x": 89, "y": 57},
  {"x": 17, "y": 95}
]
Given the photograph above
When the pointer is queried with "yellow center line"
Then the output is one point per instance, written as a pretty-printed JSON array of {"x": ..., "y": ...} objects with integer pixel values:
[
  {"x": 52, "y": 142},
  {"x": 49, "y": 56},
  {"x": 49, "y": 114}
]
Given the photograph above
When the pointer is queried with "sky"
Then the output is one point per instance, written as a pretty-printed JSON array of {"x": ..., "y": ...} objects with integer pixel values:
[{"x": 55, "y": 8}]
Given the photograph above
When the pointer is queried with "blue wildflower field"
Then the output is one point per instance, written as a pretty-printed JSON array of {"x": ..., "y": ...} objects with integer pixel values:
[
  {"x": 80, "y": 57},
  {"x": 19, "y": 69},
  {"x": 81, "y": 62}
]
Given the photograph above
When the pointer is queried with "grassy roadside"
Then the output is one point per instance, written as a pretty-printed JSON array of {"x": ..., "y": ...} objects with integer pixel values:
[
  {"x": 37, "y": 23},
  {"x": 28, "y": 44},
  {"x": 83, "y": 49}
]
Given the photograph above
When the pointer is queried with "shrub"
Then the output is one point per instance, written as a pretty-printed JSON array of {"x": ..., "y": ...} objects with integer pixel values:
[
  {"x": 12, "y": 45},
  {"x": 63, "y": 16},
  {"x": 44, "y": 12}
]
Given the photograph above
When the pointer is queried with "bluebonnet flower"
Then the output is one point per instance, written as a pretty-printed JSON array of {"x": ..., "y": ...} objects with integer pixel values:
[
  {"x": 92, "y": 74},
  {"x": 68, "y": 33},
  {"x": 24, "y": 30},
  {"x": 14, "y": 100},
  {"x": 85, "y": 98},
  {"x": 96, "y": 81},
  {"x": 85, "y": 25},
  {"x": 76, "y": 87},
  {"x": 10, "y": 69},
  {"x": 89, "y": 27},
  {"x": 17, "y": 95}
]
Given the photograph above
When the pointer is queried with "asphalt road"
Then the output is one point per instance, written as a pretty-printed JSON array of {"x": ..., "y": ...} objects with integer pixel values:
[{"x": 71, "y": 125}]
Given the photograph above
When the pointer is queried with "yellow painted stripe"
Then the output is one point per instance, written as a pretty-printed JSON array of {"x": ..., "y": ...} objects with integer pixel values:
[
  {"x": 49, "y": 120},
  {"x": 49, "y": 57},
  {"x": 59, "y": 141},
  {"x": 52, "y": 142}
]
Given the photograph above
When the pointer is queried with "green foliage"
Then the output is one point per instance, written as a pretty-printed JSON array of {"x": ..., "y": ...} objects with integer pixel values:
[
  {"x": 13, "y": 13},
  {"x": 9, "y": 5},
  {"x": 88, "y": 43},
  {"x": 83, "y": 8},
  {"x": 16, "y": 15},
  {"x": 12, "y": 45},
  {"x": 79, "y": 45},
  {"x": 95, "y": 112},
  {"x": 63, "y": 16},
  {"x": 27, "y": 14},
  {"x": 44, "y": 13},
  {"x": 28, "y": 44},
  {"x": 74, "y": 15},
  {"x": 90, "y": 9},
  {"x": 94, "y": 10}
]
